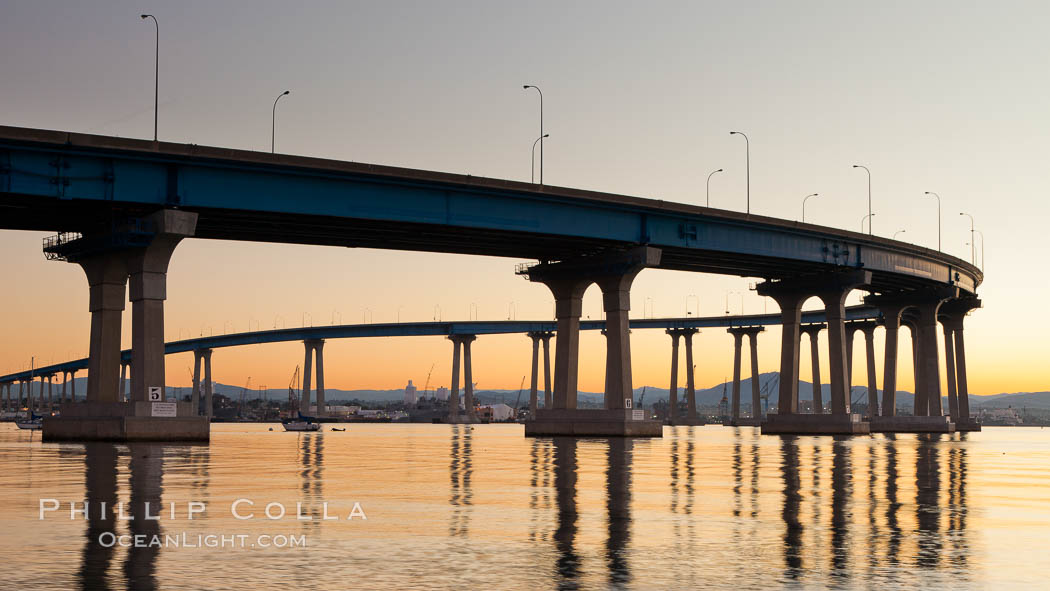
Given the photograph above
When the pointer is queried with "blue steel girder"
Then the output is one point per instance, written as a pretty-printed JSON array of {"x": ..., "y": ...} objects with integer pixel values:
[
  {"x": 63, "y": 181},
  {"x": 416, "y": 329}
]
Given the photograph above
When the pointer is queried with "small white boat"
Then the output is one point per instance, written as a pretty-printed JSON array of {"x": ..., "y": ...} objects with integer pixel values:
[
  {"x": 301, "y": 423},
  {"x": 34, "y": 421}
]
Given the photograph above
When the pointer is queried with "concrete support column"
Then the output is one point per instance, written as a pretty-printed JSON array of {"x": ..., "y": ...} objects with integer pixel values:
[
  {"x": 813, "y": 330},
  {"x": 756, "y": 402},
  {"x": 65, "y": 381},
  {"x": 21, "y": 385},
  {"x": 849, "y": 359},
  {"x": 73, "y": 386},
  {"x": 891, "y": 317},
  {"x": 738, "y": 338},
  {"x": 468, "y": 380},
  {"x": 791, "y": 318},
  {"x": 960, "y": 368},
  {"x": 453, "y": 394},
  {"x": 535, "y": 383},
  {"x": 322, "y": 408},
  {"x": 50, "y": 398},
  {"x": 929, "y": 358},
  {"x": 672, "y": 393},
  {"x": 107, "y": 276},
  {"x": 869, "y": 355},
  {"x": 835, "y": 313},
  {"x": 209, "y": 409},
  {"x": 690, "y": 378},
  {"x": 920, "y": 405},
  {"x": 195, "y": 400},
  {"x": 308, "y": 375},
  {"x": 148, "y": 268},
  {"x": 950, "y": 371},
  {"x": 568, "y": 306},
  {"x": 547, "y": 400},
  {"x": 616, "y": 300}
]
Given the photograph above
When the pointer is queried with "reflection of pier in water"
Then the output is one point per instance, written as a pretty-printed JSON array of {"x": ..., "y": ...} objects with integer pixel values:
[
  {"x": 311, "y": 475},
  {"x": 460, "y": 471},
  {"x": 885, "y": 552}
]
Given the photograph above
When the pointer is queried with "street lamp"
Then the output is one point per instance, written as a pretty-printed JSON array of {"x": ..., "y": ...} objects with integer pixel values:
[
  {"x": 973, "y": 251},
  {"x": 273, "y": 120},
  {"x": 156, "y": 71},
  {"x": 866, "y": 219},
  {"x": 804, "y": 205},
  {"x": 692, "y": 296},
  {"x": 898, "y": 232},
  {"x": 708, "y": 202},
  {"x": 741, "y": 301},
  {"x": 526, "y": 87},
  {"x": 533, "y": 169},
  {"x": 869, "y": 195},
  {"x": 981, "y": 234},
  {"x": 747, "y": 146},
  {"x": 938, "y": 217}
]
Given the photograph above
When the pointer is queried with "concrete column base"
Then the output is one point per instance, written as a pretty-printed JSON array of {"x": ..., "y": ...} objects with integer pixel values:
[
  {"x": 970, "y": 425},
  {"x": 743, "y": 422},
  {"x": 807, "y": 424},
  {"x": 102, "y": 421},
  {"x": 592, "y": 423},
  {"x": 895, "y": 424}
]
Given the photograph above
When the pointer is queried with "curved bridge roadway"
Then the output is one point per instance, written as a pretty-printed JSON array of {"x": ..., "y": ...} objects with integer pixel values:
[{"x": 408, "y": 329}]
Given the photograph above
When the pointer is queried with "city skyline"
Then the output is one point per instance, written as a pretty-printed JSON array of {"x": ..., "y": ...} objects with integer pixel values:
[{"x": 637, "y": 136}]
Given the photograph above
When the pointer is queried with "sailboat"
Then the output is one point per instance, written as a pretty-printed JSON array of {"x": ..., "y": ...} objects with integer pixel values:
[
  {"x": 33, "y": 421},
  {"x": 301, "y": 423}
]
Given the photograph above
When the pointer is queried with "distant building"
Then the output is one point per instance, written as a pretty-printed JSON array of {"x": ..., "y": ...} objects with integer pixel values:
[
  {"x": 441, "y": 393},
  {"x": 410, "y": 394},
  {"x": 496, "y": 412}
]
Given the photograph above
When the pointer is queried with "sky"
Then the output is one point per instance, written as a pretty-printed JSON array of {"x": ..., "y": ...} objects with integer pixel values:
[{"x": 640, "y": 98}]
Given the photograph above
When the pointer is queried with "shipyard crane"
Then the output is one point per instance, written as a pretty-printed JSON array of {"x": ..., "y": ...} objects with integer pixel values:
[
  {"x": 244, "y": 391},
  {"x": 293, "y": 398},
  {"x": 517, "y": 403},
  {"x": 427, "y": 384}
]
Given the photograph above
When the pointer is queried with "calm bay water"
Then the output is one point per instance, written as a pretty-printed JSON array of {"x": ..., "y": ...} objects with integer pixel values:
[{"x": 486, "y": 508}]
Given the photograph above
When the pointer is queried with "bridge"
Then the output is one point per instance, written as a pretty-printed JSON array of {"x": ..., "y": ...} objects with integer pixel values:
[{"x": 120, "y": 207}]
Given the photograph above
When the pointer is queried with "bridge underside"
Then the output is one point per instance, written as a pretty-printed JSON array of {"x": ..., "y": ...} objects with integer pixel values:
[{"x": 24, "y": 212}]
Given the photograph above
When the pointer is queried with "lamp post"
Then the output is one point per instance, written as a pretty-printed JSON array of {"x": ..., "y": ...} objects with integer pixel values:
[
  {"x": 899, "y": 232},
  {"x": 533, "y": 169},
  {"x": 973, "y": 251},
  {"x": 981, "y": 234},
  {"x": 866, "y": 219},
  {"x": 747, "y": 146},
  {"x": 273, "y": 120},
  {"x": 156, "y": 71},
  {"x": 708, "y": 202},
  {"x": 869, "y": 194},
  {"x": 526, "y": 87},
  {"x": 938, "y": 217},
  {"x": 804, "y": 205},
  {"x": 696, "y": 307}
]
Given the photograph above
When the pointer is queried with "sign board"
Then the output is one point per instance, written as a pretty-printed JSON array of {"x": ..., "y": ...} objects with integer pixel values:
[
  {"x": 155, "y": 394},
  {"x": 637, "y": 415},
  {"x": 164, "y": 409},
  {"x": 627, "y": 403}
]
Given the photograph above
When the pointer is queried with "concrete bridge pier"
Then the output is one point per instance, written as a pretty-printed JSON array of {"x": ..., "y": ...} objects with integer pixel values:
[
  {"x": 756, "y": 402},
  {"x": 953, "y": 312},
  {"x": 832, "y": 289},
  {"x": 461, "y": 342},
  {"x": 813, "y": 331},
  {"x": 109, "y": 254},
  {"x": 314, "y": 349},
  {"x": 538, "y": 337},
  {"x": 691, "y": 418},
  {"x": 568, "y": 280}
]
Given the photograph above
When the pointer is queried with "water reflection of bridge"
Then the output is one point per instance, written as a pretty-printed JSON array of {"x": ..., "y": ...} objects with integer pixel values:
[{"x": 843, "y": 515}]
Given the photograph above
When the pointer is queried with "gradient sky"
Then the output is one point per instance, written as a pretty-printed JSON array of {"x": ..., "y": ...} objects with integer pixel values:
[{"x": 640, "y": 98}]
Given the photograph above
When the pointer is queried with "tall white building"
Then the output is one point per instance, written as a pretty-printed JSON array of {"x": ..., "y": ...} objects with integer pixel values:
[
  {"x": 441, "y": 393},
  {"x": 410, "y": 394}
]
